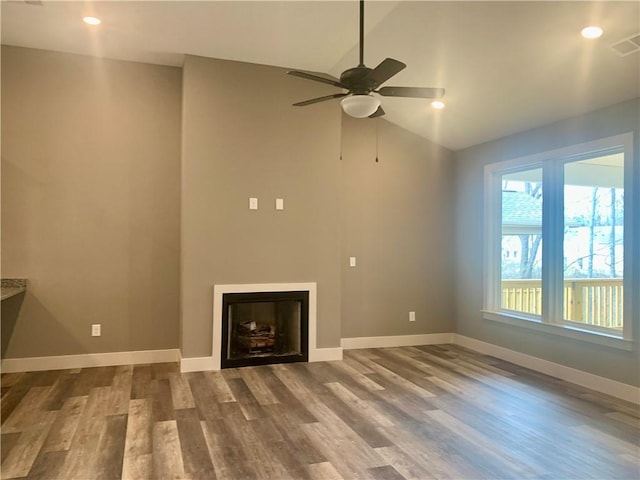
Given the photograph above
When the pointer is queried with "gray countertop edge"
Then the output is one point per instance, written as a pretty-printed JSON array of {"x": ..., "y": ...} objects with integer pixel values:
[
  {"x": 8, "y": 292},
  {"x": 12, "y": 286}
]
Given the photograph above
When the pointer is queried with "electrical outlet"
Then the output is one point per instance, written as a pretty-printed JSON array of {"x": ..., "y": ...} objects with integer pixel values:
[
  {"x": 412, "y": 316},
  {"x": 96, "y": 330}
]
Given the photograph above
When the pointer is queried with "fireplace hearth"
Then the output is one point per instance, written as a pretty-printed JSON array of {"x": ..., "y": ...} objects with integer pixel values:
[{"x": 260, "y": 328}]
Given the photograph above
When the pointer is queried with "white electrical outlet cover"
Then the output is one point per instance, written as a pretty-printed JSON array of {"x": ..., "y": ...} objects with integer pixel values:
[{"x": 253, "y": 203}]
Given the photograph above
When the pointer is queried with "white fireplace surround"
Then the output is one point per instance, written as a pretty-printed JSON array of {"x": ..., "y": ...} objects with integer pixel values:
[{"x": 220, "y": 290}]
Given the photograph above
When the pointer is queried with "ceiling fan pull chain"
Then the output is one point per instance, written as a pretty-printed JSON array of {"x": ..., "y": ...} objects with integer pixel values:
[
  {"x": 341, "y": 134},
  {"x": 377, "y": 122}
]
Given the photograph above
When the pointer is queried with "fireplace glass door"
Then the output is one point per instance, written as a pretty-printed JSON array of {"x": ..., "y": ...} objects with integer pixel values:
[{"x": 265, "y": 327}]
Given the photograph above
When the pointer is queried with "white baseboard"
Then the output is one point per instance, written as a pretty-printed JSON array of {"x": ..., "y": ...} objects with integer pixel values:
[
  {"x": 601, "y": 384},
  {"x": 396, "y": 341},
  {"x": 620, "y": 390},
  {"x": 325, "y": 354},
  {"x": 63, "y": 362},
  {"x": 196, "y": 364}
]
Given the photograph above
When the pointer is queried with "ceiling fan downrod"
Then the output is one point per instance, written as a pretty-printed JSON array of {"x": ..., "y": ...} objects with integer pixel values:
[{"x": 361, "y": 33}]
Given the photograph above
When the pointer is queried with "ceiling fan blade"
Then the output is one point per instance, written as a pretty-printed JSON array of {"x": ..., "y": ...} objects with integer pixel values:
[
  {"x": 320, "y": 99},
  {"x": 383, "y": 72},
  {"x": 378, "y": 113},
  {"x": 316, "y": 78},
  {"x": 414, "y": 92}
]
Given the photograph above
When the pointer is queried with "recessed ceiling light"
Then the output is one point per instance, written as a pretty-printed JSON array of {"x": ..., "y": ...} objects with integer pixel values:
[
  {"x": 591, "y": 32},
  {"x": 437, "y": 104},
  {"x": 92, "y": 20}
]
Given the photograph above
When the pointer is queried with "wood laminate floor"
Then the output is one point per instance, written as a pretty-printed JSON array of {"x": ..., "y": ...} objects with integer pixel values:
[{"x": 393, "y": 413}]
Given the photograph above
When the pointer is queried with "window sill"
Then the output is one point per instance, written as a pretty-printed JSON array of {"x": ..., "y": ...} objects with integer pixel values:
[{"x": 612, "y": 341}]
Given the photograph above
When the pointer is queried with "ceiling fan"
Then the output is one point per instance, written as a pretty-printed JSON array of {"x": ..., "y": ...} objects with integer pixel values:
[{"x": 361, "y": 81}]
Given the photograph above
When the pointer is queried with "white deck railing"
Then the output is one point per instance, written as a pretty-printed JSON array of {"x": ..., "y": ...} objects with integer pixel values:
[{"x": 593, "y": 301}]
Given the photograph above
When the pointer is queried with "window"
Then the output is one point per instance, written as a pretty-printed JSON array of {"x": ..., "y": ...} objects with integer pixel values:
[
  {"x": 521, "y": 225},
  {"x": 577, "y": 281},
  {"x": 593, "y": 247}
]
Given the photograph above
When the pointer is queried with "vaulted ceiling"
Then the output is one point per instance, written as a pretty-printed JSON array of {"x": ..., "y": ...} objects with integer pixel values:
[{"x": 506, "y": 66}]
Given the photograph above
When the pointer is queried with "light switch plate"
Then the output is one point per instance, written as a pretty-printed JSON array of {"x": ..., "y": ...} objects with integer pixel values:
[
  {"x": 253, "y": 203},
  {"x": 352, "y": 261},
  {"x": 279, "y": 204}
]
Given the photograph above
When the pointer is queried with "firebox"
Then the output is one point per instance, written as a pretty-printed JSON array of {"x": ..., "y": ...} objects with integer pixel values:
[{"x": 260, "y": 328}]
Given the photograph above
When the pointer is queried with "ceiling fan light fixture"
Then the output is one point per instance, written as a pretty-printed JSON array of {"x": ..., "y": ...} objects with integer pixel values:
[{"x": 360, "y": 106}]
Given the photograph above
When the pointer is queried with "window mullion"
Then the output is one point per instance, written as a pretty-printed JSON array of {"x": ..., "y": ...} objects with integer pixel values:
[
  {"x": 492, "y": 208},
  {"x": 552, "y": 239},
  {"x": 632, "y": 233}
]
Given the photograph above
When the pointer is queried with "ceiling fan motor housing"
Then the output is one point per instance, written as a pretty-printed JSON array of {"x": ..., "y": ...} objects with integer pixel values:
[{"x": 358, "y": 80}]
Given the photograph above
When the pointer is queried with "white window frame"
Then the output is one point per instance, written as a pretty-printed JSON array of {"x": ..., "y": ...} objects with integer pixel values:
[{"x": 552, "y": 164}]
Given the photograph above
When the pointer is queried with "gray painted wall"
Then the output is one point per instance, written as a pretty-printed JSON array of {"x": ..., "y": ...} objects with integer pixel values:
[
  {"x": 397, "y": 222},
  {"x": 92, "y": 198},
  {"x": 242, "y": 138},
  {"x": 90, "y": 202},
  {"x": 620, "y": 365}
]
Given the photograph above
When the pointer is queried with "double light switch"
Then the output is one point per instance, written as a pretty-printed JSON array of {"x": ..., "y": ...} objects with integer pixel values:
[{"x": 253, "y": 203}]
